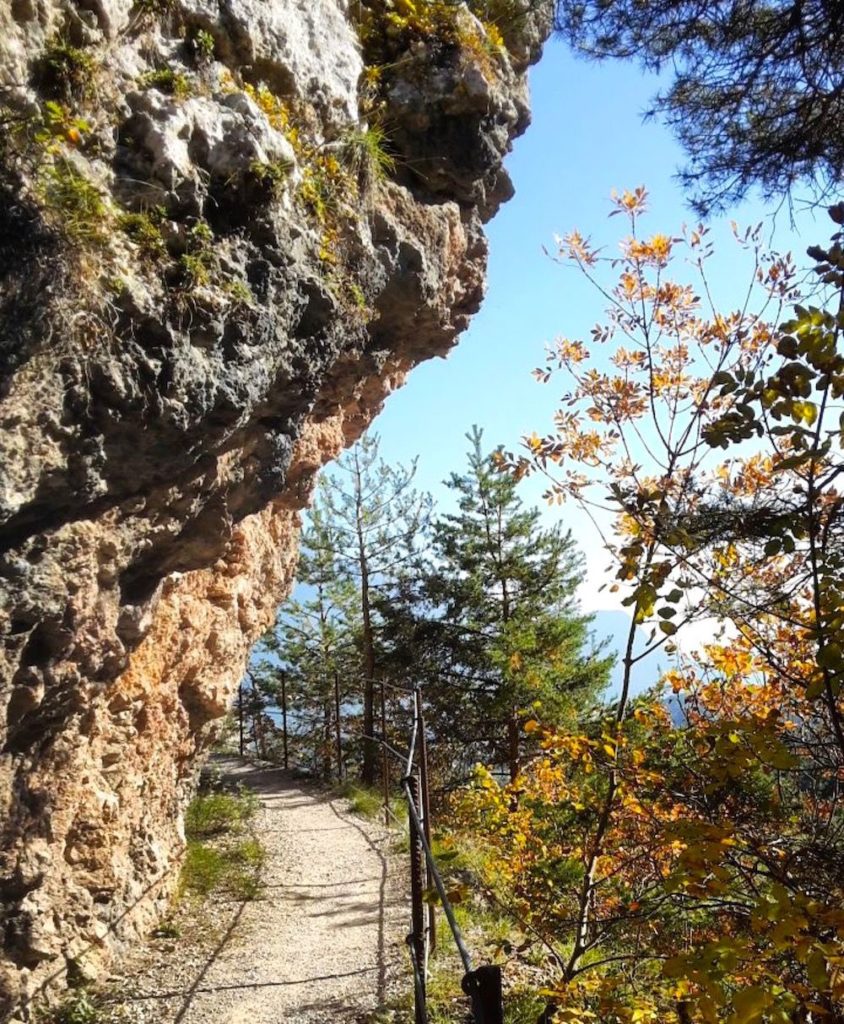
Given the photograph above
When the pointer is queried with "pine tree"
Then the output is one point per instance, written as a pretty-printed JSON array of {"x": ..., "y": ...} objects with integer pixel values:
[
  {"x": 315, "y": 644},
  {"x": 376, "y": 521},
  {"x": 751, "y": 88},
  {"x": 491, "y": 626}
]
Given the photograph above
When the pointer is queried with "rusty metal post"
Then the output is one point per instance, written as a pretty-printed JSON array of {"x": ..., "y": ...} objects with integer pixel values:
[
  {"x": 417, "y": 904},
  {"x": 425, "y": 794},
  {"x": 284, "y": 715},
  {"x": 337, "y": 738},
  {"x": 385, "y": 764}
]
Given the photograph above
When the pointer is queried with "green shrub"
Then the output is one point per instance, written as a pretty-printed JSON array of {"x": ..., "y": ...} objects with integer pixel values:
[
  {"x": 203, "y": 45},
  {"x": 174, "y": 83},
  {"x": 65, "y": 71},
  {"x": 245, "y": 887},
  {"x": 114, "y": 284},
  {"x": 243, "y": 869},
  {"x": 216, "y": 813},
  {"x": 195, "y": 269},
  {"x": 238, "y": 291},
  {"x": 367, "y": 803},
  {"x": 56, "y": 122},
  {"x": 387, "y": 28},
  {"x": 523, "y": 1006},
  {"x": 225, "y": 866},
  {"x": 234, "y": 869},
  {"x": 370, "y": 803},
  {"x": 357, "y": 295},
  {"x": 202, "y": 870},
  {"x": 201, "y": 234},
  {"x": 250, "y": 853},
  {"x": 78, "y": 1008},
  {"x": 145, "y": 231},
  {"x": 271, "y": 175},
  {"x": 198, "y": 265}
]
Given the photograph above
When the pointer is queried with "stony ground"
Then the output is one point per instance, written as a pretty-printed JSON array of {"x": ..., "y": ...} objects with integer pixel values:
[{"x": 323, "y": 942}]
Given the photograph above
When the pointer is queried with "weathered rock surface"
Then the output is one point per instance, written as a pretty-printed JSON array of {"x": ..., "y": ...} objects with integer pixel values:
[{"x": 205, "y": 293}]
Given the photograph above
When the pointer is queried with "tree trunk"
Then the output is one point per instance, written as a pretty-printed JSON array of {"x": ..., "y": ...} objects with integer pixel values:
[
  {"x": 514, "y": 726},
  {"x": 513, "y": 744},
  {"x": 370, "y": 747},
  {"x": 337, "y": 730},
  {"x": 240, "y": 718},
  {"x": 327, "y": 740}
]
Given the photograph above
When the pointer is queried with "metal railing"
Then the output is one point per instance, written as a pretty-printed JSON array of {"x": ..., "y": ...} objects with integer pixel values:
[{"x": 483, "y": 984}]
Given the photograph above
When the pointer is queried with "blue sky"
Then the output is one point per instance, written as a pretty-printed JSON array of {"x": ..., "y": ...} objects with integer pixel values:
[{"x": 587, "y": 138}]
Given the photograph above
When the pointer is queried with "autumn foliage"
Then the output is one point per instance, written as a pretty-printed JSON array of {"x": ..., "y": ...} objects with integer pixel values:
[{"x": 680, "y": 856}]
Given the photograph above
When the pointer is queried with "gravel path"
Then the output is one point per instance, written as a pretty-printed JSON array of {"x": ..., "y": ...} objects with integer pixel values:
[{"x": 324, "y": 942}]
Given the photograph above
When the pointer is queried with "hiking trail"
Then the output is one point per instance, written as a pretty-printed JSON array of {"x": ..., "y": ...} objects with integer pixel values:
[{"x": 324, "y": 940}]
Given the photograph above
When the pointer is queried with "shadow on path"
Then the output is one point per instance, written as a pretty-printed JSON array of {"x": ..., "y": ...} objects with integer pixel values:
[
  {"x": 382, "y": 901},
  {"x": 195, "y": 989},
  {"x": 312, "y": 933}
]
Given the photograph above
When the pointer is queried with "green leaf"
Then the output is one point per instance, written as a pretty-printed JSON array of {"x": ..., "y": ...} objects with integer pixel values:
[
  {"x": 830, "y": 656},
  {"x": 750, "y": 1004},
  {"x": 816, "y": 969},
  {"x": 805, "y": 411}
]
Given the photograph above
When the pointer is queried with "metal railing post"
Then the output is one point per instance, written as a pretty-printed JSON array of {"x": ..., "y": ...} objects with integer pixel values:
[
  {"x": 425, "y": 794},
  {"x": 417, "y": 875},
  {"x": 385, "y": 765},
  {"x": 483, "y": 985}
]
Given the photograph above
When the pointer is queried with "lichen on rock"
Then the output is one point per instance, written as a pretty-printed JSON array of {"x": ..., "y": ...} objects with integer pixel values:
[{"x": 228, "y": 229}]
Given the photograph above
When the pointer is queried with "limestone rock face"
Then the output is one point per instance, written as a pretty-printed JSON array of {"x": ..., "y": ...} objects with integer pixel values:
[{"x": 213, "y": 269}]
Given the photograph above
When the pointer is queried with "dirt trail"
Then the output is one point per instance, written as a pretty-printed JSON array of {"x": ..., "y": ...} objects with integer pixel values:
[{"x": 322, "y": 943}]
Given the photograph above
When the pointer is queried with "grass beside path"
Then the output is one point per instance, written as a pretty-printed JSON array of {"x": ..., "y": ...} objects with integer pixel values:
[
  {"x": 222, "y": 858},
  {"x": 219, "y": 858}
]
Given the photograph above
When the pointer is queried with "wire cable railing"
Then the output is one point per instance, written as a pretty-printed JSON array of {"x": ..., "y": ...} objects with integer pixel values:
[{"x": 483, "y": 985}]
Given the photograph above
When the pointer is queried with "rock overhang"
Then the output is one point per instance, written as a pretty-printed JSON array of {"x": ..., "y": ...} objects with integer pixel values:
[{"x": 177, "y": 369}]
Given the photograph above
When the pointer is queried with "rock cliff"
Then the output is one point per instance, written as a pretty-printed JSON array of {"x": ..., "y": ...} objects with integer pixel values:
[{"x": 228, "y": 229}]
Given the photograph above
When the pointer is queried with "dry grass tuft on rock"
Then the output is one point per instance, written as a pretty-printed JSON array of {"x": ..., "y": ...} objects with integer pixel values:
[{"x": 73, "y": 203}]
